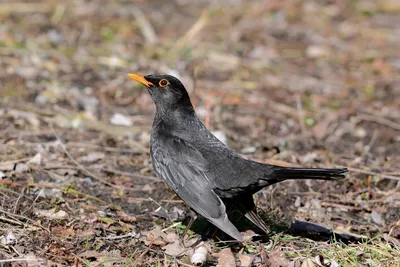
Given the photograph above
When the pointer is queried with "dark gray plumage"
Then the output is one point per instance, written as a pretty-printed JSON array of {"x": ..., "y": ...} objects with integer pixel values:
[{"x": 203, "y": 171}]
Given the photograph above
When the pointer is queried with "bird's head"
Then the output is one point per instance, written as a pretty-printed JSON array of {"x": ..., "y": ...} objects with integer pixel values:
[{"x": 167, "y": 92}]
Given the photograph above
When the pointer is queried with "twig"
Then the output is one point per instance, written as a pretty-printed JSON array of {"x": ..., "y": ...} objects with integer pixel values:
[
  {"x": 192, "y": 32},
  {"x": 12, "y": 192},
  {"x": 118, "y": 237},
  {"x": 341, "y": 206},
  {"x": 392, "y": 173},
  {"x": 299, "y": 107},
  {"x": 371, "y": 143},
  {"x": 143, "y": 199},
  {"x": 34, "y": 202},
  {"x": 102, "y": 169},
  {"x": 11, "y": 221},
  {"x": 145, "y": 26},
  {"x": 379, "y": 120},
  {"x": 67, "y": 190},
  {"x": 21, "y": 195},
  {"x": 103, "y": 148},
  {"x": 14, "y": 161},
  {"x": 14, "y": 260},
  {"x": 7, "y": 8},
  {"x": 23, "y": 217},
  {"x": 370, "y": 172},
  {"x": 133, "y": 175},
  {"x": 284, "y": 109},
  {"x": 140, "y": 258},
  {"x": 80, "y": 166}
]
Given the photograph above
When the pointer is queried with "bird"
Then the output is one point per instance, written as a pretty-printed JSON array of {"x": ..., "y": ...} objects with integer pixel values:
[{"x": 206, "y": 174}]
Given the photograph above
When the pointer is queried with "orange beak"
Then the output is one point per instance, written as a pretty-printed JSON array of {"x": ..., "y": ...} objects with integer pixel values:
[{"x": 140, "y": 79}]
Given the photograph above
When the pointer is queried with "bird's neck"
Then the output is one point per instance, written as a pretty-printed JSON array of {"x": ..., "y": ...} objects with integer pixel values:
[{"x": 177, "y": 117}]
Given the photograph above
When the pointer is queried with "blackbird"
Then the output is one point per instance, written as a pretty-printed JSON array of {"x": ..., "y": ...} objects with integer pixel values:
[{"x": 207, "y": 175}]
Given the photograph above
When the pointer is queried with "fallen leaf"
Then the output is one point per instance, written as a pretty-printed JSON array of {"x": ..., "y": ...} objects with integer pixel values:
[
  {"x": 101, "y": 258},
  {"x": 277, "y": 258},
  {"x": 85, "y": 233},
  {"x": 33, "y": 261},
  {"x": 28, "y": 116},
  {"x": 177, "y": 214},
  {"x": 308, "y": 263},
  {"x": 156, "y": 237},
  {"x": 36, "y": 160},
  {"x": 377, "y": 218},
  {"x": 62, "y": 231},
  {"x": 125, "y": 217},
  {"x": 320, "y": 130},
  {"x": 226, "y": 258},
  {"x": 295, "y": 263},
  {"x": 119, "y": 119},
  {"x": 316, "y": 51},
  {"x": 174, "y": 249},
  {"x": 245, "y": 260},
  {"x": 248, "y": 235},
  {"x": 21, "y": 167},
  {"x": 51, "y": 214},
  {"x": 162, "y": 213},
  {"x": 171, "y": 237},
  {"x": 93, "y": 157},
  {"x": 90, "y": 254},
  {"x": 7, "y": 166},
  {"x": 9, "y": 239}
]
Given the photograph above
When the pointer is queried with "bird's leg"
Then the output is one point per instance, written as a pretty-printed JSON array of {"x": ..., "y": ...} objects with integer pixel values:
[{"x": 193, "y": 218}]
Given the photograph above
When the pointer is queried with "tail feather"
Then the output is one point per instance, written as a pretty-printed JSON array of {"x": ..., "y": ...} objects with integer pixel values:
[
  {"x": 253, "y": 216},
  {"x": 283, "y": 173}
]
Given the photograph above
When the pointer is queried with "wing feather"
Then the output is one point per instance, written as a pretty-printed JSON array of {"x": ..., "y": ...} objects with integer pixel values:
[{"x": 184, "y": 169}]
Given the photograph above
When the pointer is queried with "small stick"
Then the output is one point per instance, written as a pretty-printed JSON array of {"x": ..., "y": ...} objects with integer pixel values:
[
  {"x": 370, "y": 172},
  {"x": 379, "y": 120}
]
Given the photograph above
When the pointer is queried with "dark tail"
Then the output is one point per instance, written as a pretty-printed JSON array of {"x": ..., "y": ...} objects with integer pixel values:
[{"x": 283, "y": 173}]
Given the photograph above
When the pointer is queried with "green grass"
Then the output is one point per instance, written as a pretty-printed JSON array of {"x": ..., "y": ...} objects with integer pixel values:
[{"x": 370, "y": 253}]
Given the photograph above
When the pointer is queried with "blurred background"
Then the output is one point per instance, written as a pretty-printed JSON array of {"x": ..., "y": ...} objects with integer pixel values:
[{"x": 293, "y": 83}]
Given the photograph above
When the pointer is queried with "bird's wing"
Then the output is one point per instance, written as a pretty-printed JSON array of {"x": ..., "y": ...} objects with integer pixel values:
[{"x": 183, "y": 168}]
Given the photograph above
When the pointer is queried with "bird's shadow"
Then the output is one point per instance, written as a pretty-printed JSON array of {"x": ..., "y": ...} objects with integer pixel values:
[{"x": 278, "y": 225}]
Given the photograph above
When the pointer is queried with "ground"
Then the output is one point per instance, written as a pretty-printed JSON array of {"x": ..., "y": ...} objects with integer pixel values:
[{"x": 293, "y": 83}]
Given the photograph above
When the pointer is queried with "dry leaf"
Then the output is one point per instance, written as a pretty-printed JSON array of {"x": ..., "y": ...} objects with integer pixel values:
[
  {"x": 295, "y": 263},
  {"x": 93, "y": 157},
  {"x": 245, "y": 260},
  {"x": 51, "y": 214},
  {"x": 308, "y": 263},
  {"x": 226, "y": 258},
  {"x": 21, "y": 168},
  {"x": 174, "y": 249},
  {"x": 36, "y": 160},
  {"x": 9, "y": 239},
  {"x": 248, "y": 235},
  {"x": 125, "y": 217},
  {"x": 277, "y": 258},
  {"x": 119, "y": 119}
]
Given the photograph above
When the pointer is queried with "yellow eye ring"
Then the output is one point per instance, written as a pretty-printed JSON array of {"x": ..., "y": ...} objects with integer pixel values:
[{"x": 163, "y": 82}]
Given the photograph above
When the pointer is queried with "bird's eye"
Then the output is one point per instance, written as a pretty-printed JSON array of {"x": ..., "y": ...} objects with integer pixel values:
[{"x": 163, "y": 82}]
